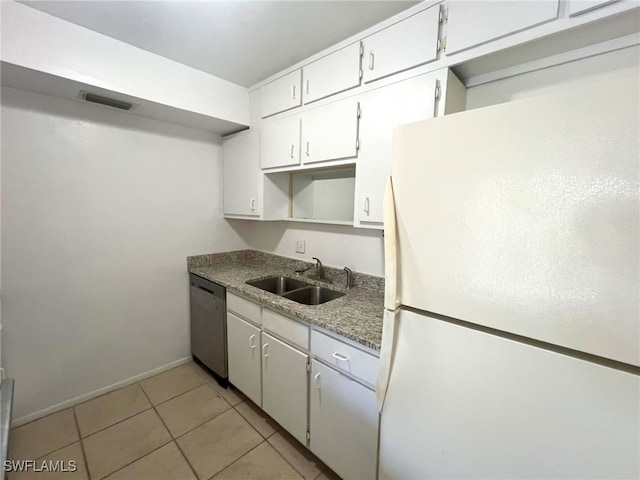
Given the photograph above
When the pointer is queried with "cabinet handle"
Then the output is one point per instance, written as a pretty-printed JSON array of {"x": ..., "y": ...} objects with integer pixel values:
[
  {"x": 264, "y": 350},
  {"x": 293, "y": 91},
  {"x": 366, "y": 206},
  {"x": 339, "y": 356},
  {"x": 372, "y": 59},
  {"x": 252, "y": 204},
  {"x": 307, "y": 149},
  {"x": 316, "y": 380},
  {"x": 307, "y": 87},
  {"x": 291, "y": 150},
  {"x": 252, "y": 341}
]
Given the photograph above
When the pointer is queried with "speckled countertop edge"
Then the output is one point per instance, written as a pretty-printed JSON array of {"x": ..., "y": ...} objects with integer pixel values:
[{"x": 357, "y": 315}]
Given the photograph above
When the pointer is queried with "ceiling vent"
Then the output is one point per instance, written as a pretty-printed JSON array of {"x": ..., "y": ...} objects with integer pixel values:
[{"x": 110, "y": 102}]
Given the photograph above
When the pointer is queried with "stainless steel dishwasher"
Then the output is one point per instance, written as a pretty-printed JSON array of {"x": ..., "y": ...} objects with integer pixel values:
[{"x": 209, "y": 325}]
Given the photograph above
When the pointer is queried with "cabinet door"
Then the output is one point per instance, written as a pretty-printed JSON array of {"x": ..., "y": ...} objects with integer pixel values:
[
  {"x": 473, "y": 23},
  {"x": 576, "y": 7},
  {"x": 343, "y": 423},
  {"x": 284, "y": 377},
  {"x": 383, "y": 110},
  {"x": 330, "y": 132},
  {"x": 243, "y": 345},
  {"x": 334, "y": 73},
  {"x": 406, "y": 44},
  {"x": 281, "y": 94},
  {"x": 242, "y": 175},
  {"x": 280, "y": 145}
]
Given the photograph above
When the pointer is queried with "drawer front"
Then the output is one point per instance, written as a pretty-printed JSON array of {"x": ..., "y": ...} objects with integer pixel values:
[
  {"x": 245, "y": 308},
  {"x": 345, "y": 357},
  {"x": 295, "y": 332}
]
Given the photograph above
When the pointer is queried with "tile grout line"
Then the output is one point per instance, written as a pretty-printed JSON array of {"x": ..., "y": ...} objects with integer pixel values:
[
  {"x": 286, "y": 460},
  {"x": 84, "y": 455},
  {"x": 239, "y": 458},
  {"x": 173, "y": 439}
]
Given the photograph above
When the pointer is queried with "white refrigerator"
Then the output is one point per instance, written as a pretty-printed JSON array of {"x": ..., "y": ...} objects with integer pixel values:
[{"x": 511, "y": 332}]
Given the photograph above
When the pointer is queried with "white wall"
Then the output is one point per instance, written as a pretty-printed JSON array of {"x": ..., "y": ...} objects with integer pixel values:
[
  {"x": 99, "y": 211},
  {"x": 336, "y": 245}
]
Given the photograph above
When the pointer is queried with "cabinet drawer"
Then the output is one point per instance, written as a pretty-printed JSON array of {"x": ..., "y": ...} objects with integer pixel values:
[
  {"x": 330, "y": 132},
  {"x": 404, "y": 45},
  {"x": 287, "y": 328},
  {"x": 244, "y": 308},
  {"x": 345, "y": 357},
  {"x": 332, "y": 74},
  {"x": 281, "y": 94}
]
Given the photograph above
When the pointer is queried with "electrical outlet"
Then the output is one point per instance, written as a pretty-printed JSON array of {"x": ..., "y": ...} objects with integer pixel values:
[{"x": 299, "y": 246}]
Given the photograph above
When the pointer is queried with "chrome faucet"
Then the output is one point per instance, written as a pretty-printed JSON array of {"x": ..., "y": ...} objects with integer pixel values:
[
  {"x": 349, "y": 277},
  {"x": 319, "y": 268}
]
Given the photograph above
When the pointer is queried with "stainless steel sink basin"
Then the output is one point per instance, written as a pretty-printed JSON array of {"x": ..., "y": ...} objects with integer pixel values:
[
  {"x": 278, "y": 285},
  {"x": 312, "y": 295}
]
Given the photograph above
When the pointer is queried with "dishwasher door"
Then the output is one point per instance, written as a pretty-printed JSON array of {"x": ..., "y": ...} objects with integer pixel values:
[{"x": 209, "y": 324}]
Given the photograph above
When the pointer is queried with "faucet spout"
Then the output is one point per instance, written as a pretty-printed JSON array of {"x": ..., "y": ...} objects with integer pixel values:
[{"x": 319, "y": 267}]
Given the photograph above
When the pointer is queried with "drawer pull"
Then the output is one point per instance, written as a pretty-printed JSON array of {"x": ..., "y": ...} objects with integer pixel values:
[
  {"x": 372, "y": 60},
  {"x": 316, "y": 381},
  {"x": 293, "y": 92},
  {"x": 291, "y": 150},
  {"x": 307, "y": 87},
  {"x": 265, "y": 348},
  {"x": 307, "y": 149},
  {"x": 252, "y": 341},
  {"x": 339, "y": 356}
]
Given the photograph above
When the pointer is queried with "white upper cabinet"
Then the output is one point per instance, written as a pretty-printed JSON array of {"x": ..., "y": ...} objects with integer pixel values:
[
  {"x": 576, "y": 7},
  {"x": 332, "y": 74},
  {"x": 383, "y": 110},
  {"x": 330, "y": 132},
  {"x": 472, "y": 23},
  {"x": 241, "y": 174},
  {"x": 406, "y": 44},
  {"x": 280, "y": 145},
  {"x": 281, "y": 94}
]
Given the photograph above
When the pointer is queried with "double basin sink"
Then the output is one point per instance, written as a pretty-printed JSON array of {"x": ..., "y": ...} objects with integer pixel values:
[{"x": 296, "y": 290}]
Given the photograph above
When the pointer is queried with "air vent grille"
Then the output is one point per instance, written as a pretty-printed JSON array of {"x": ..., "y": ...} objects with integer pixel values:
[{"x": 92, "y": 97}]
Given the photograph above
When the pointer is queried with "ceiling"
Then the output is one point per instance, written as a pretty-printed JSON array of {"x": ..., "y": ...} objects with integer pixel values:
[{"x": 240, "y": 41}]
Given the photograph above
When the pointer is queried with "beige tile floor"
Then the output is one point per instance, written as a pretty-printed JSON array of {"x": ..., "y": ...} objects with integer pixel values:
[{"x": 178, "y": 425}]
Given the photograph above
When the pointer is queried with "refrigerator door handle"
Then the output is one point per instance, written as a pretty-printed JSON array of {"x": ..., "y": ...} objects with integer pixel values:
[
  {"x": 387, "y": 350},
  {"x": 391, "y": 300}
]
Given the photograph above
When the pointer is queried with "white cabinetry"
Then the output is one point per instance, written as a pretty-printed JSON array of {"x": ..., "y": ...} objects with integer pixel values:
[
  {"x": 280, "y": 145},
  {"x": 384, "y": 109},
  {"x": 332, "y": 74},
  {"x": 343, "y": 411},
  {"x": 472, "y": 23},
  {"x": 343, "y": 423},
  {"x": 330, "y": 132},
  {"x": 281, "y": 94},
  {"x": 576, "y": 7},
  {"x": 406, "y": 44},
  {"x": 284, "y": 378},
  {"x": 243, "y": 346},
  {"x": 241, "y": 175}
]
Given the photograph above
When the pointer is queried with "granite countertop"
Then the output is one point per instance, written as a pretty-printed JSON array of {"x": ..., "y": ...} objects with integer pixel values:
[{"x": 357, "y": 315}]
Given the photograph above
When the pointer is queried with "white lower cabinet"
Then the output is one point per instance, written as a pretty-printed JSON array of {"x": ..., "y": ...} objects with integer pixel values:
[
  {"x": 343, "y": 423},
  {"x": 243, "y": 346},
  {"x": 284, "y": 380}
]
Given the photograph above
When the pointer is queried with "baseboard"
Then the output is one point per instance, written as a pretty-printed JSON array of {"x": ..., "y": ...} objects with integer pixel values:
[{"x": 96, "y": 393}]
